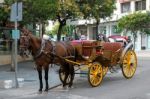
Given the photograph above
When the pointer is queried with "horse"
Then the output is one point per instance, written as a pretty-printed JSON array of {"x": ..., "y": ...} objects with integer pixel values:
[{"x": 47, "y": 52}]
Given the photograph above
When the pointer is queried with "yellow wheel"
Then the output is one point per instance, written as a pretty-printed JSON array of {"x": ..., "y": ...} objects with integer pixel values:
[
  {"x": 95, "y": 74},
  {"x": 105, "y": 70},
  {"x": 129, "y": 64}
]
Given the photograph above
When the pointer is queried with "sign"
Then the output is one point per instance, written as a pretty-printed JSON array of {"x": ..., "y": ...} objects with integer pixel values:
[
  {"x": 16, "y": 12},
  {"x": 15, "y": 34}
]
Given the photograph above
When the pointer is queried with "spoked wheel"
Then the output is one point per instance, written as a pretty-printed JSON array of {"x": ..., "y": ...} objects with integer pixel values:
[
  {"x": 62, "y": 76},
  {"x": 95, "y": 74},
  {"x": 129, "y": 64},
  {"x": 105, "y": 70}
]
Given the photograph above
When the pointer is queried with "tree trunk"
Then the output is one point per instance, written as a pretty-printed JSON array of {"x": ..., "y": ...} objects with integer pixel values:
[
  {"x": 134, "y": 37},
  {"x": 34, "y": 28},
  {"x": 59, "y": 32},
  {"x": 97, "y": 23},
  {"x": 62, "y": 23},
  {"x": 40, "y": 30},
  {"x": 43, "y": 28}
]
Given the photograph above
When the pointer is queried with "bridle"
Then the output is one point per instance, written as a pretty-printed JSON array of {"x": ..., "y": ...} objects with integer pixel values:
[{"x": 24, "y": 44}]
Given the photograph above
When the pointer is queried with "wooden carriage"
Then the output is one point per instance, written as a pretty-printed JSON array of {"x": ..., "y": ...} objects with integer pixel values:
[{"x": 99, "y": 57}]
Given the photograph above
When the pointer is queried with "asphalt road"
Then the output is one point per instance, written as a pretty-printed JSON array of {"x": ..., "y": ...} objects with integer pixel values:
[{"x": 114, "y": 86}]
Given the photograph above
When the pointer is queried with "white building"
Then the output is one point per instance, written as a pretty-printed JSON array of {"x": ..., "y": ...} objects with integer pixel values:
[
  {"x": 108, "y": 26},
  {"x": 125, "y": 7}
]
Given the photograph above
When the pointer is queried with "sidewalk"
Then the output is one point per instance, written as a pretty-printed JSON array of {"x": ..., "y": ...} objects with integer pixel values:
[{"x": 30, "y": 83}]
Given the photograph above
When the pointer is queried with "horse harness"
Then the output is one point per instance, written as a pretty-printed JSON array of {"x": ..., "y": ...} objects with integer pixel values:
[{"x": 50, "y": 53}]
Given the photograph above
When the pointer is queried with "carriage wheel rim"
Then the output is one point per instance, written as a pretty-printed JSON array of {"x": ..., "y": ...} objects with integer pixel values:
[
  {"x": 129, "y": 64},
  {"x": 95, "y": 74},
  {"x": 105, "y": 70}
]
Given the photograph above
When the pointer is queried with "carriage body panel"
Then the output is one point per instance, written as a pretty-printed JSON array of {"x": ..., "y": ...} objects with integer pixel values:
[{"x": 109, "y": 50}]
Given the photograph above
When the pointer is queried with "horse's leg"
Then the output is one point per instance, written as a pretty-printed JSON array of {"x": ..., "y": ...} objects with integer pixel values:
[
  {"x": 71, "y": 72},
  {"x": 40, "y": 78},
  {"x": 66, "y": 71},
  {"x": 65, "y": 79},
  {"x": 46, "y": 77}
]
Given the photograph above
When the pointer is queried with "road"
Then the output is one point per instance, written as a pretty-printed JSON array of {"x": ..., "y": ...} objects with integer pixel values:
[{"x": 114, "y": 86}]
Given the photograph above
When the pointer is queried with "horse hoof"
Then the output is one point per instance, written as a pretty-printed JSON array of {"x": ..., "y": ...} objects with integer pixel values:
[
  {"x": 46, "y": 90},
  {"x": 39, "y": 92},
  {"x": 65, "y": 88},
  {"x": 71, "y": 87}
]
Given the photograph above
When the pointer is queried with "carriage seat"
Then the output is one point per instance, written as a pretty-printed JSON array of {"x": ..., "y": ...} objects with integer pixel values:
[{"x": 85, "y": 47}]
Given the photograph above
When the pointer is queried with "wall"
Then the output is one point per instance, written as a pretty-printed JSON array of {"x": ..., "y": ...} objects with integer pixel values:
[{"x": 6, "y": 59}]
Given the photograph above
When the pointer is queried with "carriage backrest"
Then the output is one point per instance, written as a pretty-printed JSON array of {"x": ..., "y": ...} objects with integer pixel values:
[
  {"x": 85, "y": 47},
  {"x": 111, "y": 48}
]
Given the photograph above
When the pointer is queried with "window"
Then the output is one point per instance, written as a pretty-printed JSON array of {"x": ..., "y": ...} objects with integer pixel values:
[
  {"x": 5, "y": 42},
  {"x": 114, "y": 29},
  {"x": 103, "y": 30},
  {"x": 125, "y": 7},
  {"x": 140, "y": 5}
]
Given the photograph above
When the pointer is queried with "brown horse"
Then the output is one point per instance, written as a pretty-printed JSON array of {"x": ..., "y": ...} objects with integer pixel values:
[{"x": 47, "y": 52}]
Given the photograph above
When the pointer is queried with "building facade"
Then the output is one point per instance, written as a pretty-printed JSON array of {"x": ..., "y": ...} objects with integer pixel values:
[{"x": 125, "y": 7}]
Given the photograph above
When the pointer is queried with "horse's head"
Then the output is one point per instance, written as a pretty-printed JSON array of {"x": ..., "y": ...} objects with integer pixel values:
[{"x": 24, "y": 44}]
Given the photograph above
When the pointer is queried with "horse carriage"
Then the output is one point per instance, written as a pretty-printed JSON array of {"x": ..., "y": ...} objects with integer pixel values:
[
  {"x": 99, "y": 57},
  {"x": 96, "y": 56}
]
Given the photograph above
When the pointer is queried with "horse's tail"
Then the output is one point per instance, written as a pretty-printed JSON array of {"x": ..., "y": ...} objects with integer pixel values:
[{"x": 75, "y": 54}]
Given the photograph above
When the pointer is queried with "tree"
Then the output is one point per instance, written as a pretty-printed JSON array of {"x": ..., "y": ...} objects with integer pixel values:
[
  {"x": 34, "y": 12},
  {"x": 39, "y": 11},
  {"x": 97, "y": 9},
  {"x": 66, "y": 9},
  {"x": 4, "y": 14},
  {"x": 135, "y": 22},
  {"x": 42, "y": 10}
]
